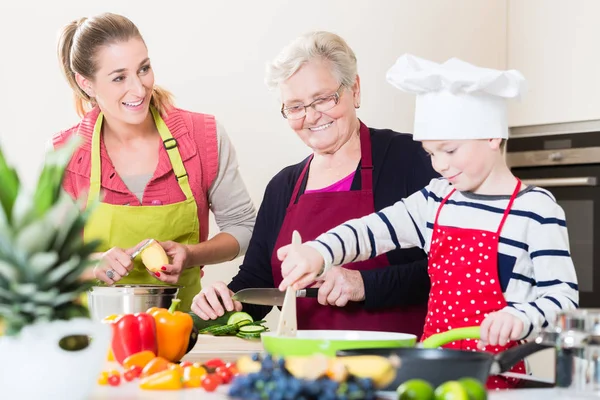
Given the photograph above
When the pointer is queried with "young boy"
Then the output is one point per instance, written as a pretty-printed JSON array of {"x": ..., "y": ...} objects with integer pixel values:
[{"x": 498, "y": 249}]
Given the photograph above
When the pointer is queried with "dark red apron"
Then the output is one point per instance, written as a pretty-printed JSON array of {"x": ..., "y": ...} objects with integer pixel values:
[
  {"x": 316, "y": 213},
  {"x": 463, "y": 268}
]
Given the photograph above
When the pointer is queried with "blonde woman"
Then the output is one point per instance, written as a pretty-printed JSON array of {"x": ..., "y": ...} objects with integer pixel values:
[
  {"x": 157, "y": 169},
  {"x": 354, "y": 170}
]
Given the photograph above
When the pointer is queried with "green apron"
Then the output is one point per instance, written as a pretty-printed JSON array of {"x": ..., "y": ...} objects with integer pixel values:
[{"x": 125, "y": 226}]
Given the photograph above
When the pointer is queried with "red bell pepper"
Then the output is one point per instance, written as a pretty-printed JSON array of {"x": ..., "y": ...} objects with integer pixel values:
[{"x": 133, "y": 333}]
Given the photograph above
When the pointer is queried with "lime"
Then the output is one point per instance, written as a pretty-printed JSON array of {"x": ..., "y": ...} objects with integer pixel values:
[
  {"x": 451, "y": 390},
  {"x": 415, "y": 389},
  {"x": 474, "y": 388}
]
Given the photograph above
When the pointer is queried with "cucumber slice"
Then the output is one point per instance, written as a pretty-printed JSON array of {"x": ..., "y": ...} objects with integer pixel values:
[
  {"x": 243, "y": 322},
  {"x": 247, "y": 336},
  {"x": 239, "y": 316},
  {"x": 252, "y": 329},
  {"x": 224, "y": 330}
]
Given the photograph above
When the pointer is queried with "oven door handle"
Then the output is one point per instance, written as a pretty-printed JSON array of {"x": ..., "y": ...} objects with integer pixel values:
[{"x": 557, "y": 182}]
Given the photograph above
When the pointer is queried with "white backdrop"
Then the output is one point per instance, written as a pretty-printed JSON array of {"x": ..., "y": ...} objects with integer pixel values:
[{"x": 212, "y": 56}]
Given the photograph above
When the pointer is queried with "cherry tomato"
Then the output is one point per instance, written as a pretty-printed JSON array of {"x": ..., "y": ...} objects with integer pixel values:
[
  {"x": 216, "y": 378},
  {"x": 214, "y": 363},
  {"x": 209, "y": 383},
  {"x": 225, "y": 376},
  {"x": 132, "y": 373},
  {"x": 232, "y": 367},
  {"x": 137, "y": 371},
  {"x": 114, "y": 380}
]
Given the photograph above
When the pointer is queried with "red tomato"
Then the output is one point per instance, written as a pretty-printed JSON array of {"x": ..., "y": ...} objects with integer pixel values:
[
  {"x": 132, "y": 373},
  {"x": 217, "y": 378},
  {"x": 214, "y": 363},
  {"x": 232, "y": 368},
  {"x": 209, "y": 383},
  {"x": 137, "y": 370},
  {"x": 114, "y": 380},
  {"x": 225, "y": 375}
]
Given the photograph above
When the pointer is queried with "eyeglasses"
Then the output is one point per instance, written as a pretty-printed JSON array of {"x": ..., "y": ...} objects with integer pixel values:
[{"x": 321, "y": 104}]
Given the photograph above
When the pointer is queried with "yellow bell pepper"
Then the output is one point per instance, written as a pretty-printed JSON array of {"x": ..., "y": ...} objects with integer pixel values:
[
  {"x": 193, "y": 375},
  {"x": 173, "y": 329},
  {"x": 169, "y": 379}
]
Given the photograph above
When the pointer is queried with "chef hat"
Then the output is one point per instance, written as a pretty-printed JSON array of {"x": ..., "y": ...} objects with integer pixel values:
[{"x": 456, "y": 100}]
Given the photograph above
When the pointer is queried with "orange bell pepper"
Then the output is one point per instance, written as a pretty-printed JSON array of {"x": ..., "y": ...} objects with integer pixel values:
[
  {"x": 169, "y": 379},
  {"x": 157, "y": 364},
  {"x": 138, "y": 359},
  {"x": 173, "y": 329}
]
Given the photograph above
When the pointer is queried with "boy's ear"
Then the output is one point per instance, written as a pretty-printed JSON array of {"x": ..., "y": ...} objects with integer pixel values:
[{"x": 495, "y": 143}]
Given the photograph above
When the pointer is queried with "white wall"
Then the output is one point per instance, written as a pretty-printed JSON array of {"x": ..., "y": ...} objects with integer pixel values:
[
  {"x": 554, "y": 43},
  {"x": 212, "y": 54}
]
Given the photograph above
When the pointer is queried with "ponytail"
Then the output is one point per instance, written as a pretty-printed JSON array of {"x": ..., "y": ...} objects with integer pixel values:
[{"x": 83, "y": 102}]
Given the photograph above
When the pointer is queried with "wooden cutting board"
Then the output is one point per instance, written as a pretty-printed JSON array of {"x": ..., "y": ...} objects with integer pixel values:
[{"x": 227, "y": 348}]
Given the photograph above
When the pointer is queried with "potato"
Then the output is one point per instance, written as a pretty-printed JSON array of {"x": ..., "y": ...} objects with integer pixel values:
[{"x": 154, "y": 257}]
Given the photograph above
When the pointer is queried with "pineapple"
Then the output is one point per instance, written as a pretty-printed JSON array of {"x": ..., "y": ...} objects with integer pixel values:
[{"x": 42, "y": 254}]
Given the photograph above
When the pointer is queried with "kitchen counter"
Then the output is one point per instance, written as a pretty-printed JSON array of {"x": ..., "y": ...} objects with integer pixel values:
[
  {"x": 130, "y": 391},
  {"x": 231, "y": 348}
]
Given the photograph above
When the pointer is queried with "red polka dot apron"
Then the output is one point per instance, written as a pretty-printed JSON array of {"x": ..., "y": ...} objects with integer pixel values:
[{"x": 463, "y": 268}]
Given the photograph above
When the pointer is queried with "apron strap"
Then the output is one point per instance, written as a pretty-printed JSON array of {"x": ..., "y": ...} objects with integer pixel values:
[
  {"x": 95, "y": 163},
  {"x": 299, "y": 181},
  {"x": 437, "y": 214},
  {"x": 169, "y": 143},
  {"x": 510, "y": 203},
  {"x": 366, "y": 163}
]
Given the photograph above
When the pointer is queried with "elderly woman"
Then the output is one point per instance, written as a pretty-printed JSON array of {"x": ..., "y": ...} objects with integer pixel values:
[{"x": 354, "y": 170}]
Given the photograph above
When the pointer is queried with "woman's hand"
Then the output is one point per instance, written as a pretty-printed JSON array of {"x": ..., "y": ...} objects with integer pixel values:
[
  {"x": 208, "y": 304},
  {"x": 114, "y": 264},
  {"x": 339, "y": 286},
  {"x": 498, "y": 328},
  {"x": 300, "y": 266},
  {"x": 178, "y": 254}
]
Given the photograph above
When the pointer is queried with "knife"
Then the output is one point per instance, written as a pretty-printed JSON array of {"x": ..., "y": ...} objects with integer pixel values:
[{"x": 269, "y": 296}]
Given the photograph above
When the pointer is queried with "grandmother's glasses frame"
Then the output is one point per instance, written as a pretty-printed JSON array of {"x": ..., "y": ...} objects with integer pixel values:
[{"x": 321, "y": 104}]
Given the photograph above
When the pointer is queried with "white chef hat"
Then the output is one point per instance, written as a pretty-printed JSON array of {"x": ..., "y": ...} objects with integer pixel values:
[{"x": 456, "y": 100}]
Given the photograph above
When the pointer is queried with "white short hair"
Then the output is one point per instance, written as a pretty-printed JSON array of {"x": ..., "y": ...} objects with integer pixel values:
[{"x": 321, "y": 45}]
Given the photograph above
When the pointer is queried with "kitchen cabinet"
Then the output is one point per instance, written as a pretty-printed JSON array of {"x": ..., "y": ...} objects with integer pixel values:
[{"x": 554, "y": 43}]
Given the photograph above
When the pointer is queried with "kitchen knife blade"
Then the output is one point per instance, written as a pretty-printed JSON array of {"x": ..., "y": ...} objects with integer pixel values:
[{"x": 269, "y": 296}]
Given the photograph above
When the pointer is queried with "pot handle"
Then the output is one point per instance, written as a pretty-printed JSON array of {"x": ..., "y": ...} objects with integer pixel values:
[
  {"x": 439, "y": 339},
  {"x": 505, "y": 360}
]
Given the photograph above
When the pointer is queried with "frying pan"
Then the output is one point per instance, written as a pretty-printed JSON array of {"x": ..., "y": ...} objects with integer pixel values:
[{"x": 441, "y": 365}]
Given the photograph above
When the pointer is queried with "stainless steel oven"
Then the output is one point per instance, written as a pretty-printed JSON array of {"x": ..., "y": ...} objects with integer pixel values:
[{"x": 565, "y": 159}]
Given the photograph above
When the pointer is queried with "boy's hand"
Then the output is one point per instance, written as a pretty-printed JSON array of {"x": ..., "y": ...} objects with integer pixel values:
[
  {"x": 498, "y": 328},
  {"x": 300, "y": 266}
]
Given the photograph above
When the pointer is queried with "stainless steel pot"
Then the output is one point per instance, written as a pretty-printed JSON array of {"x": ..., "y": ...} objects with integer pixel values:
[
  {"x": 576, "y": 337},
  {"x": 127, "y": 299}
]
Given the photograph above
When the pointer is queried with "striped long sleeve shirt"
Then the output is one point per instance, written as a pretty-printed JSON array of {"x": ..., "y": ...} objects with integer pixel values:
[{"x": 535, "y": 268}]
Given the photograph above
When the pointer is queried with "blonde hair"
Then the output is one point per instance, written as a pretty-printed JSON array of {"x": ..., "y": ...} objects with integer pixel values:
[
  {"x": 78, "y": 45},
  {"x": 320, "y": 45}
]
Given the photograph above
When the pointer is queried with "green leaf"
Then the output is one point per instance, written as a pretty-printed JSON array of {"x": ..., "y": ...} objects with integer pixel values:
[
  {"x": 35, "y": 237},
  {"x": 61, "y": 271},
  {"x": 40, "y": 263},
  {"x": 24, "y": 289},
  {"x": 50, "y": 180},
  {"x": 8, "y": 272},
  {"x": 9, "y": 182}
]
